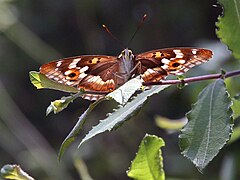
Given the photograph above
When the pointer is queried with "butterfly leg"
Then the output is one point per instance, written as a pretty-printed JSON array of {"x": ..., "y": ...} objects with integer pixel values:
[{"x": 138, "y": 67}]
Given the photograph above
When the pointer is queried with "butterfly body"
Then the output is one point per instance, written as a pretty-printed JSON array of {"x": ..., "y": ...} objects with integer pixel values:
[
  {"x": 106, "y": 73},
  {"x": 126, "y": 66}
]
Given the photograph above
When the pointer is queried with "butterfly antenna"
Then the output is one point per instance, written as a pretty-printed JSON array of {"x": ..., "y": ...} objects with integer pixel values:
[
  {"x": 111, "y": 34},
  {"x": 138, "y": 27}
]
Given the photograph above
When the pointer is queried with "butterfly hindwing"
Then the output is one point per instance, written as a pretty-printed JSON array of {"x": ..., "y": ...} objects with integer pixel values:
[{"x": 157, "y": 64}]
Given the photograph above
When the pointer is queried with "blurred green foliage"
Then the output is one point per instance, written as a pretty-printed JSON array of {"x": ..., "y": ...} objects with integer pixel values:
[{"x": 35, "y": 32}]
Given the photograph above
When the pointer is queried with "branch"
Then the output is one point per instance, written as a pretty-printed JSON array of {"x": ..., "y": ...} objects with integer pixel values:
[
  {"x": 187, "y": 80},
  {"x": 195, "y": 79}
]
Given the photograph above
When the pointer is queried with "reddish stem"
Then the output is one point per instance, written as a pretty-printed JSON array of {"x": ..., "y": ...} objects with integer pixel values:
[
  {"x": 187, "y": 80},
  {"x": 195, "y": 79}
]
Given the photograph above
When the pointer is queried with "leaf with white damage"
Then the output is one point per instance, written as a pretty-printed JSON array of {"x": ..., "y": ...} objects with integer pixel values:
[
  {"x": 148, "y": 163},
  {"x": 123, "y": 113},
  {"x": 209, "y": 126},
  {"x": 123, "y": 93},
  {"x": 14, "y": 172},
  {"x": 60, "y": 104}
]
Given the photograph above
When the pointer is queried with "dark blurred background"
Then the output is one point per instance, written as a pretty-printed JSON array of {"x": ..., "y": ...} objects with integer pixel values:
[{"x": 36, "y": 32}]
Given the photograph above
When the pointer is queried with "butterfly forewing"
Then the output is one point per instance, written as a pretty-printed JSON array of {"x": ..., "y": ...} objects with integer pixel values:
[
  {"x": 157, "y": 64},
  {"x": 93, "y": 73}
]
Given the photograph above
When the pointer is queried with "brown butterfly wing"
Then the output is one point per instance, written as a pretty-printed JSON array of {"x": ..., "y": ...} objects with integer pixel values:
[
  {"x": 157, "y": 64},
  {"x": 92, "y": 73}
]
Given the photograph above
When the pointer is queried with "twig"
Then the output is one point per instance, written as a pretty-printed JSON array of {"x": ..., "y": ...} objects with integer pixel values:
[
  {"x": 195, "y": 79},
  {"x": 187, "y": 80}
]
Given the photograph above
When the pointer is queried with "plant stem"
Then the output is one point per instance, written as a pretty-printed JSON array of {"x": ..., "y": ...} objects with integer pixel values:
[
  {"x": 187, "y": 80},
  {"x": 195, "y": 79}
]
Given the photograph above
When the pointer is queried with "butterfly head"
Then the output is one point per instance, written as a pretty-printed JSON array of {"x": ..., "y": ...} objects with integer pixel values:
[{"x": 127, "y": 55}]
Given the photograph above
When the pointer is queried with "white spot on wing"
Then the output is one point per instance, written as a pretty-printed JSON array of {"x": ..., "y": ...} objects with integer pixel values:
[
  {"x": 198, "y": 62},
  {"x": 83, "y": 69},
  {"x": 165, "y": 66},
  {"x": 59, "y": 63},
  {"x": 194, "y": 51},
  {"x": 150, "y": 71},
  {"x": 181, "y": 61},
  {"x": 165, "y": 61},
  {"x": 94, "y": 78},
  {"x": 56, "y": 78},
  {"x": 69, "y": 83},
  {"x": 82, "y": 75},
  {"x": 178, "y": 53},
  {"x": 73, "y": 64},
  {"x": 68, "y": 72}
]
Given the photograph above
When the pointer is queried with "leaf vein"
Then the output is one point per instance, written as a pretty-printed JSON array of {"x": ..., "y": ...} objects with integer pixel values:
[
  {"x": 149, "y": 164},
  {"x": 237, "y": 11},
  {"x": 209, "y": 122}
]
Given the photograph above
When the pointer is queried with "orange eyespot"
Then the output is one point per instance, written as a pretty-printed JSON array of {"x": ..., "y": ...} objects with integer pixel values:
[
  {"x": 175, "y": 64},
  {"x": 72, "y": 74}
]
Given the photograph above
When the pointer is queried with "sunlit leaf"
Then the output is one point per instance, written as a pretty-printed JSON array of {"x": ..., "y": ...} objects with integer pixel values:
[
  {"x": 60, "y": 104},
  {"x": 209, "y": 126},
  {"x": 57, "y": 106},
  {"x": 229, "y": 25},
  {"x": 122, "y": 114},
  {"x": 170, "y": 124},
  {"x": 236, "y": 107},
  {"x": 40, "y": 81},
  {"x": 148, "y": 163},
  {"x": 123, "y": 93},
  {"x": 235, "y": 135},
  {"x": 14, "y": 172}
]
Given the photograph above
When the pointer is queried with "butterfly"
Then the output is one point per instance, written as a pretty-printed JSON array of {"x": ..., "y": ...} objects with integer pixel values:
[{"x": 106, "y": 73}]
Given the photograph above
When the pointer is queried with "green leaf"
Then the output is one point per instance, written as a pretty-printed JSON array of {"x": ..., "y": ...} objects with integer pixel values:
[
  {"x": 60, "y": 104},
  {"x": 235, "y": 135},
  {"x": 236, "y": 107},
  {"x": 170, "y": 124},
  {"x": 40, "y": 81},
  {"x": 229, "y": 25},
  {"x": 14, "y": 172},
  {"x": 123, "y": 93},
  {"x": 77, "y": 128},
  {"x": 81, "y": 168},
  {"x": 123, "y": 113},
  {"x": 209, "y": 126},
  {"x": 148, "y": 163}
]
